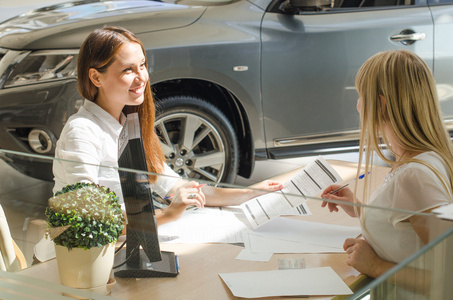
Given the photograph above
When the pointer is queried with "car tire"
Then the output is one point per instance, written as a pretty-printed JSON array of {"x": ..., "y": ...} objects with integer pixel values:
[{"x": 208, "y": 150}]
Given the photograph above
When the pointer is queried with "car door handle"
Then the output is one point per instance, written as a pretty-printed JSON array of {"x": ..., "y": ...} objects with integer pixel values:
[{"x": 408, "y": 37}]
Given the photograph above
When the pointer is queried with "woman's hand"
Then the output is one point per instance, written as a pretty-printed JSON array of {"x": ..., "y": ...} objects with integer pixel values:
[
  {"x": 364, "y": 259},
  {"x": 265, "y": 187},
  {"x": 344, "y": 195},
  {"x": 187, "y": 194}
]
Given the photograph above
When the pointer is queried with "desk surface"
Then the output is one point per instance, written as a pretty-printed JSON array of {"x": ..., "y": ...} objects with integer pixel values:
[{"x": 201, "y": 263}]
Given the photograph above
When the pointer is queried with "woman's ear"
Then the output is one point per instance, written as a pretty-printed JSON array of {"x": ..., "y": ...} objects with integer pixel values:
[
  {"x": 383, "y": 104},
  {"x": 383, "y": 101},
  {"x": 94, "y": 77}
]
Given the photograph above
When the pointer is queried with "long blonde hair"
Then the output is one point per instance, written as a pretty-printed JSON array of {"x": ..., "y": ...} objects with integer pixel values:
[{"x": 398, "y": 89}]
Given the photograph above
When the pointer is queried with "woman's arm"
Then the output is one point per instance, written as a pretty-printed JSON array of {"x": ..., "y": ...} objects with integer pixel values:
[
  {"x": 236, "y": 196},
  {"x": 364, "y": 259},
  {"x": 429, "y": 227},
  {"x": 231, "y": 196}
]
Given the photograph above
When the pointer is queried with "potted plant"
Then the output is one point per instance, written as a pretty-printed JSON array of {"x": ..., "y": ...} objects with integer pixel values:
[{"x": 84, "y": 222}]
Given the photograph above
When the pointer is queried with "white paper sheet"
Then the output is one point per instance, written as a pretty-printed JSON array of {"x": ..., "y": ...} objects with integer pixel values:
[
  {"x": 255, "y": 243},
  {"x": 263, "y": 244},
  {"x": 294, "y": 282},
  {"x": 44, "y": 249},
  {"x": 444, "y": 212},
  {"x": 308, "y": 232},
  {"x": 310, "y": 181},
  {"x": 247, "y": 255},
  {"x": 208, "y": 225}
]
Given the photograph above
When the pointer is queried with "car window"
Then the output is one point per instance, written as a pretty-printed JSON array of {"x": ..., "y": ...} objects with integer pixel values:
[
  {"x": 370, "y": 3},
  {"x": 319, "y": 6},
  {"x": 440, "y": 2}
]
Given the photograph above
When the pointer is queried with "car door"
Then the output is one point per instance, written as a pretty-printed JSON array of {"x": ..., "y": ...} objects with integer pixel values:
[
  {"x": 442, "y": 11},
  {"x": 309, "y": 63}
]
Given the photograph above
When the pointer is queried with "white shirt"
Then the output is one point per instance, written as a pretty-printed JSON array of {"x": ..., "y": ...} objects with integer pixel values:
[
  {"x": 412, "y": 187},
  {"x": 91, "y": 137}
]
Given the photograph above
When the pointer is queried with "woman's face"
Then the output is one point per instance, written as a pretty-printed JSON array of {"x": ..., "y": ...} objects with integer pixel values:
[{"x": 124, "y": 81}]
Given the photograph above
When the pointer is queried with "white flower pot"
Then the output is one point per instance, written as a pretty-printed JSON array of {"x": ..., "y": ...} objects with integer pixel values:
[{"x": 80, "y": 268}]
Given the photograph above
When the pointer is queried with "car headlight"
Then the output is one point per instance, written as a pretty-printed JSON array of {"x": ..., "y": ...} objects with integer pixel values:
[{"x": 18, "y": 68}]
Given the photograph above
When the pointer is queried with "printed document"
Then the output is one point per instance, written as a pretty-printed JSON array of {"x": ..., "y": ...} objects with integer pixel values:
[{"x": 310, "y": 181}]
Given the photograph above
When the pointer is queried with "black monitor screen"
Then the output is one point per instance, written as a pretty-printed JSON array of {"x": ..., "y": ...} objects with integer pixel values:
[{"x": 142, "y": 256}]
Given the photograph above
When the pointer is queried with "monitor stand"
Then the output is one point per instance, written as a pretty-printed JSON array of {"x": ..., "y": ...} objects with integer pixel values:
[{"x": 141, "y": 267}]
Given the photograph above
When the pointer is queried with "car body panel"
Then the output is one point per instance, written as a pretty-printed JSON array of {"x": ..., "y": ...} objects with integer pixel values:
[
  {"x": 31, "y": 31},
  {"x": 212, "y": 54},
  {"x": 320, "y": 55},
  {"x": 45, "y": 106},
  {"x": 443, "y": 56},
  {"x": 288, "y": 79}
]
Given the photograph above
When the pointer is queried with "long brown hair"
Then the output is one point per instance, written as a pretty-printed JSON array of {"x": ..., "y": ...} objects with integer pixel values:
[{"x": 99, "y": 51}]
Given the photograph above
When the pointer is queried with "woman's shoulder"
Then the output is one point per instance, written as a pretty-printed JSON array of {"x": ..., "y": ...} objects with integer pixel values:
[
  {"x": 82, "y": 122},
  {"x": 419, "y": 169},
  {"x": 431, "y": 158}
]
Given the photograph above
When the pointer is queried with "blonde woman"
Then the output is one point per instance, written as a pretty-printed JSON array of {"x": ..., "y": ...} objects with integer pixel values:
[{"x": 399, "y": 109}]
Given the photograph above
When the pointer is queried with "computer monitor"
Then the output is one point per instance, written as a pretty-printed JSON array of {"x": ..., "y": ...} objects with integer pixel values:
[{"x": 142, "y": 256}]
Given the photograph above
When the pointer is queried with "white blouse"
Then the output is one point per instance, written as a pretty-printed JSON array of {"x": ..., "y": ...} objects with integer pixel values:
[
  {"x": 91, "y": 137},
  {"x": 412, "y": 187}
]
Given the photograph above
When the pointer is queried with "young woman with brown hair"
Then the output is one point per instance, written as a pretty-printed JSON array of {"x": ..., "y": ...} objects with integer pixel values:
[{"x": 113, "y": 78}]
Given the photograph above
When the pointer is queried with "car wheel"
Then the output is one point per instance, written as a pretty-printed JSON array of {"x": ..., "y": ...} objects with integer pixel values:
[{"x": 198, "y": 140}]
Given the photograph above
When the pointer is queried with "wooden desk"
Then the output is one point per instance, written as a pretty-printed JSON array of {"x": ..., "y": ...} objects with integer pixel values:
[{"x": 201, "y": 263}]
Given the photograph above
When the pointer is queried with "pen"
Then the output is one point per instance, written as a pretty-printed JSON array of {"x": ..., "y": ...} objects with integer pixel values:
[
  {"x": 200, "y": 185},
  {"x": 169, "y": 197},
  {"x": 345, "y": 185},
  {"x": 177, "y": 264}
]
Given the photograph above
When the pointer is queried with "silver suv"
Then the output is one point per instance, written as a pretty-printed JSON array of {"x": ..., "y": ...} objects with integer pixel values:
[{"x": 235, "y": 81}]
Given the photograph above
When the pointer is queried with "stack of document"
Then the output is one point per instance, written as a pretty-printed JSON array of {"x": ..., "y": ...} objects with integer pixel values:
[
  {"x": 285, "y": 235},
  {"x": 274, "y": 234},
  {"x": 257, "y": 222},
  {"x": 308, "y": 182}
]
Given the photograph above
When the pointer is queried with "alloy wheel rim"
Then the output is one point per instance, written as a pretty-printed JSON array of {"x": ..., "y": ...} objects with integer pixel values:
[{"x": 192, "y": 146}]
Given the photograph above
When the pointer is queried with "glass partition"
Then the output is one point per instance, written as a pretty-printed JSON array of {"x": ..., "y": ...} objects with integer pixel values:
[
  {"x": 240, "y": 229},
  {"x": 424, "y": 275}
]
